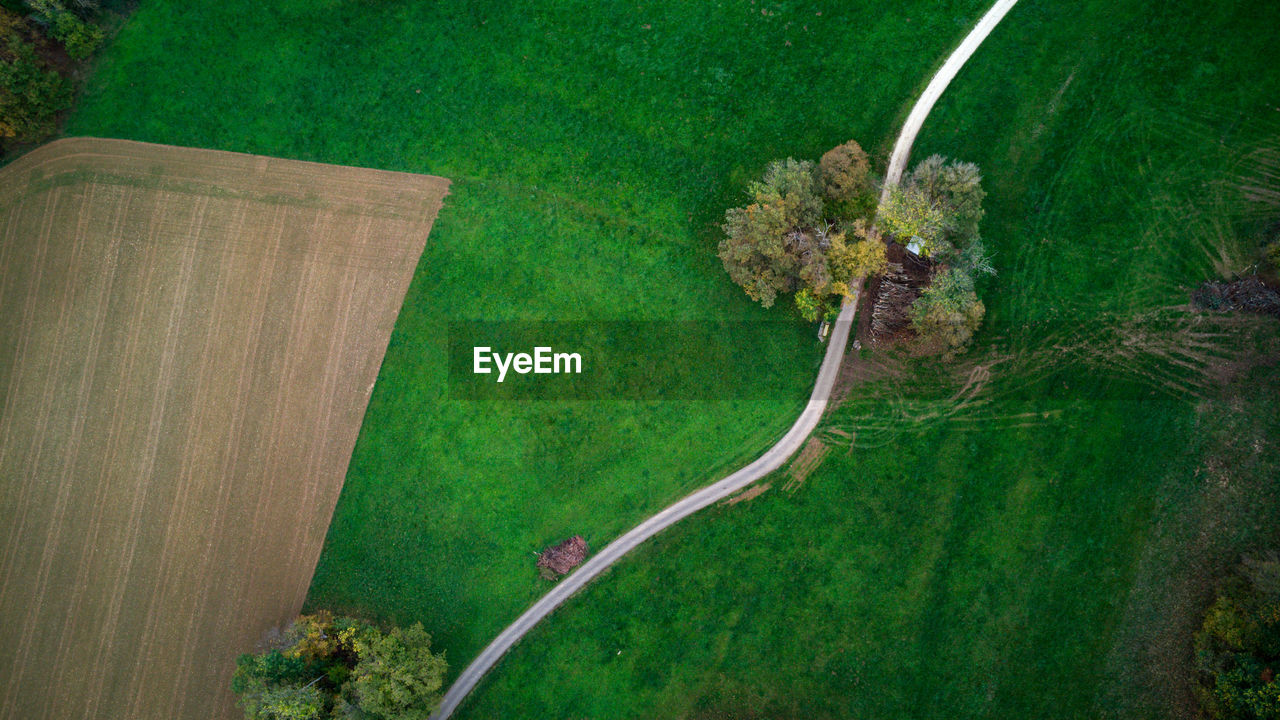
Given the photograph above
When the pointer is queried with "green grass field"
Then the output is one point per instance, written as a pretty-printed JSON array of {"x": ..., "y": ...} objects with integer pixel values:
[
  {"x": 1036, "y": 543},
  {"x": 592, "y": 149}
]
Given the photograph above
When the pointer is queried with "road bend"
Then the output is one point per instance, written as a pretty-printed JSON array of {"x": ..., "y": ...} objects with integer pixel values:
[{"x": 774, "y": 457}]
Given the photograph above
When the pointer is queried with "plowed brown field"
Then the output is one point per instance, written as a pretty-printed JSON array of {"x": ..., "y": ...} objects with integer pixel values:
[{"x": 188, "y": 342}]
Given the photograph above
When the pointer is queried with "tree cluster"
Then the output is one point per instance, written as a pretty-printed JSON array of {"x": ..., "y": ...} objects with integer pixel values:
[
  {"x": 339, "y": 668},
  {"x": 804, "y": 231},
  {"x": 937, "y": 207},
  {"x": 937, "y": 210},
  {"x": 1238, "y": 646},
  {"x": 32, "y": 90}
]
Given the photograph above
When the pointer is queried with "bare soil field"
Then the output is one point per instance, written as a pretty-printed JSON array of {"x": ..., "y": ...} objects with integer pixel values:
[{"x": 188, "y": 342}]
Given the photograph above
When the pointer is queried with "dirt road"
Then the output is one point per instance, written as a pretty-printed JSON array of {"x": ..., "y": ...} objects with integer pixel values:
[{"x": 774, "y": 457}]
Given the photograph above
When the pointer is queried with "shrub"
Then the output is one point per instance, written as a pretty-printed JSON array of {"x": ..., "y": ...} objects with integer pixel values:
[
  {"x": 762, "y": 251},
  {"x": 809, "y": 305},
  {"x": 30, "y": 95},
  {"x": 341, "y": 667},
  {"x": 80, "y": 38},
  {"x": 786, "y": 240},
  {"x": 275, "y": 687},
  {"x": 974, "y": 260},
  {"x": 1237, "y": 649},
  {"x": 845, "y": 172},
  {"x": 948, "y": 312},
  {"x": 1271, "y": 253},
  {"x": 957, "y": 187},
  {"x": 938, "y": 206},
  {"x": 398, "y": 676},
  {"x": 862, "y": 258},
  {"x": 77, "y": 36},
  {"x": 909, "y": 214}
]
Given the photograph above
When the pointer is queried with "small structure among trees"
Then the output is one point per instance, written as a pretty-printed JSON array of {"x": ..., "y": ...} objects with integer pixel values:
[
  {"x": 558, "y": 560},
  {"x": 936, "y": 213},
  {"x": 808, "y": 231}
]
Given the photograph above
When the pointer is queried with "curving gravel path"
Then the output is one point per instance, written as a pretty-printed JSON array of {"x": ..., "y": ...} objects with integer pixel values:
[
  {"x": 940, "y": 81},
  {"x": 774, "y": 457}
]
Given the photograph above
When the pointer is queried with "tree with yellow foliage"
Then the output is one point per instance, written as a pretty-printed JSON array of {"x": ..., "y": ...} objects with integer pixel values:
[
  {"x": 329, "y": 666},
  {"x": 796, "y": 234}
]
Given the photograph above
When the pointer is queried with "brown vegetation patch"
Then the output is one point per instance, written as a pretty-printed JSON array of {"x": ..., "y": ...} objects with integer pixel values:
[
  {"x": 892, "y": 294},
  {"x": 559, "y": 559},
  {"x": 857, "y": 369},
  {"x": 188, "y": 342},
  {"x": 806, "y": 462},
  {"x": 750, "y": 493},
  {"x": 1247, "y": 294},
  {"x": 1174, "y": 350}
]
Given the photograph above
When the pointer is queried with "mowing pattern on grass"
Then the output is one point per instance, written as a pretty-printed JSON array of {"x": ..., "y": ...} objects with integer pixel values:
[
  {"x": 1023, "y": 536},
  {"x": 190, "y": 339}
]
